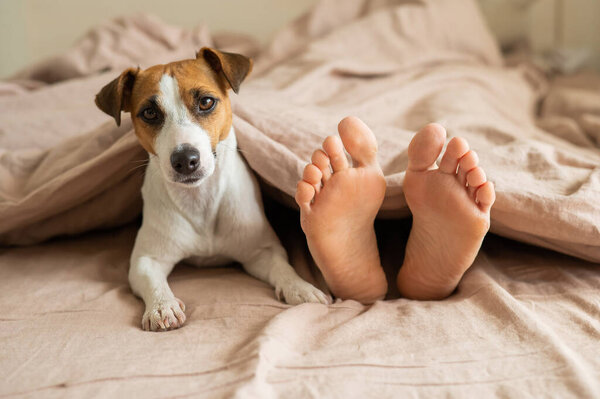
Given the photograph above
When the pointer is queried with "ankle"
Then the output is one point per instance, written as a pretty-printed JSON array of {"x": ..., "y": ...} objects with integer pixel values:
[
  {"x": 414, "y": 283},
  {"x": 367, "y": 289}
]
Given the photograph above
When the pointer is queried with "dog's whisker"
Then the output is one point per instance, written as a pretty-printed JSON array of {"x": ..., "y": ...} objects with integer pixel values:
[
  {"x": 154, "y": 173},
  {"x": 141, "y": 163},
  {"x": 140, "y": 160},
  {"x": 136, "y": 167},
  {"x": 231, "y": 148}
]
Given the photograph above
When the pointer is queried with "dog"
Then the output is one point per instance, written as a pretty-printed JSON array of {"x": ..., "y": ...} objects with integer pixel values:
[{"x": 202, "y": 204}]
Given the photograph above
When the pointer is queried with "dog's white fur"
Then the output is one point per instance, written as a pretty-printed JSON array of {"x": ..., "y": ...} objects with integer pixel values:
[{"x": 212, "y": 222}]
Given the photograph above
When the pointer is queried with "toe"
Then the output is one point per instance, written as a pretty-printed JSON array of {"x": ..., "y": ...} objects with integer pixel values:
[
  {"x": 180, "y": 316},
  {"x": 476, "y": 177},
  {"x": 161, "y": 324},
  {"x": 321, "y": 161},
  {"x": 312, "y": 175},
  {"x": 358, "y": 140},
  {"x": 335, "y": 151},
  {"x": 305, "y": 192},
  {"x": 425, "y": 147},
  {"x": 456, "y": 149},
  {"x": 485, "y": 196},
  {"x": 181, "y": 304},
  {"x": 466, "y": 164}
]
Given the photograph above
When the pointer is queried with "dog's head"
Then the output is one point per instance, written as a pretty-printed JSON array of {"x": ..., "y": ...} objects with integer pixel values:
[{"x": 180, "y": 111}]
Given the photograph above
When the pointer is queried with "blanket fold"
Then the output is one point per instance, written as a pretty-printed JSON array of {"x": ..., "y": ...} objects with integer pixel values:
[{"x": 397, "y": 64}]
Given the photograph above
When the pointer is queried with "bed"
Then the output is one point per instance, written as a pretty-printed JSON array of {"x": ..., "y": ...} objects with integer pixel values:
[{"x": 524, "y": 321}]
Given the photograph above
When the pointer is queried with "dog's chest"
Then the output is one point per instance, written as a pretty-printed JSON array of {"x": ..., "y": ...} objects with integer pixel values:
[
  {"x": 208, "y": 261},
  {"x": 214, "y": 222},
  {"x": 203, "y": 217}
]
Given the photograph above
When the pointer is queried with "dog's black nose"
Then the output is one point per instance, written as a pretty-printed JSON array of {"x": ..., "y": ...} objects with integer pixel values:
[{"x": 185, "y": 159}]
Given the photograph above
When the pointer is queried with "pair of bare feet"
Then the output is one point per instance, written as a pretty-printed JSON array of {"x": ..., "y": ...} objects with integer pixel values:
[{"x": 338, "y": 203}]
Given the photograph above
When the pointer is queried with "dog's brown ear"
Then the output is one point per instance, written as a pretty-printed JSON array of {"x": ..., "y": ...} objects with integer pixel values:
[
  {"x": 235, "y": 67},
  {"x": 114, "y": 97}
]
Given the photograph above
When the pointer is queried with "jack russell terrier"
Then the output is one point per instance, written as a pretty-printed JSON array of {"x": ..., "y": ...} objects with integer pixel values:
[{"x": 202, "y": 203}]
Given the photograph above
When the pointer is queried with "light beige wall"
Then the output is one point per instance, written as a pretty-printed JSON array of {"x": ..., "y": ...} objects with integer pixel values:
[
  {"x": 536, "y": 20},
  {"x": 580, "y": 26},
  {"x": 14, "y": 51},
  {"x": 31, "y": 30}
]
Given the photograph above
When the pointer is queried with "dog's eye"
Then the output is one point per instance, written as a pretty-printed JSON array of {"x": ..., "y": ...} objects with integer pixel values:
[
  {"x": 206, "y": 103},
  {"x": 149, "y": 114}
]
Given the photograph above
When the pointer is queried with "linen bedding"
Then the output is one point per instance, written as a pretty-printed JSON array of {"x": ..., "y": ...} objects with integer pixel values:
[{"x": 525, "y": 321}]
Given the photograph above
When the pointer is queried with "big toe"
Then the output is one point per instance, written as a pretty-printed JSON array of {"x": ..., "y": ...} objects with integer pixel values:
[
  {"x": 359, "y": 141},
  {"x": 425, "y": 147}
]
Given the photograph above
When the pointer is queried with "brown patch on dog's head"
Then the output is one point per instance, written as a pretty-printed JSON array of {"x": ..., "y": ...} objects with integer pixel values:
[
  {"x": 233, "y": 67},
  {"x": 199, "y": 80},
  {"x": 114, "y": 97}
]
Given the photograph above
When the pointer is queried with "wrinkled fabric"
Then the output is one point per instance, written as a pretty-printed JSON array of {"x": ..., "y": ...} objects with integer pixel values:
[
  {"x": 523, "y": 321},
  {"x": 396, "y": 64}
]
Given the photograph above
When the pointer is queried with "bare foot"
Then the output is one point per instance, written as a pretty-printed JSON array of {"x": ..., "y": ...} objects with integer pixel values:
[
  {"x": 337, "y": 211},
  {"x": 451, "y": 214}
]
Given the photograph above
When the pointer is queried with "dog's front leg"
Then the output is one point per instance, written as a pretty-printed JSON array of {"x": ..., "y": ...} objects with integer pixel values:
[
  {"x": 148, "y": 280},
  {"x": 270, "y": 264}
]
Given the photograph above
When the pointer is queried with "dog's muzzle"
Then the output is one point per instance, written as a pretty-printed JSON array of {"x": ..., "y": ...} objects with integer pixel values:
[{"x": 185, "y": 160}]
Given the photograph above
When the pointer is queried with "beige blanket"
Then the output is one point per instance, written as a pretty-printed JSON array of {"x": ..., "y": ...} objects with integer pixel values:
[
  {"x": 397, "y": 65},
  {"x": 523, "y": 319},
  {"x": 525, "y": 322}
]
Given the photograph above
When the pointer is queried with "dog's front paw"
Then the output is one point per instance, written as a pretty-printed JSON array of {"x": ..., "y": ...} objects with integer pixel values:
[
  {"x": 299, "y": 291},
  {"x": 164, "y": 315}
]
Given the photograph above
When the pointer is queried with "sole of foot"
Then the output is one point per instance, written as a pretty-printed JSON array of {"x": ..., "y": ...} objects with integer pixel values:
[
  {"x": 451, "y": 206},
  {"x": 338, "y": 205}
]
